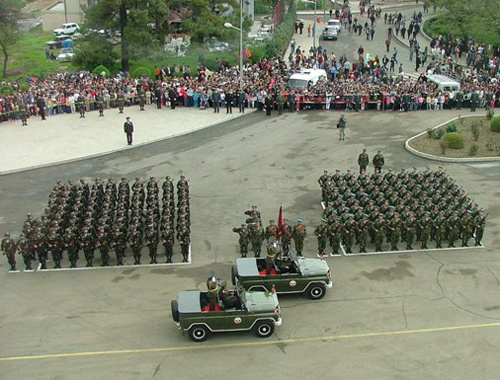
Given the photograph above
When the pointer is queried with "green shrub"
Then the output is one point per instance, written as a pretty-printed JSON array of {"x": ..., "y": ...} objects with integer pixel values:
[
  {"x": 490, "y": 114},
  {"x": 495, "y": 124},
  {"x": 430, "y": 132},
  {"x": 443, "y": 145},
  {"x": 102, "y": 71},
  {"x": 141, "y": 72},
  {"x": 473, "y": 150},
  {"x": 436, "y": 133},
  {"x": 454, "y": 140},
  {"x": 476, "y": 131},
  {"x": 452, "y": 127}
]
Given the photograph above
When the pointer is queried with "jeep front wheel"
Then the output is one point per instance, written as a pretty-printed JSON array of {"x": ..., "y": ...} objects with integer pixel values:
[
  {"x": 198, "y": 333},
  {"x": 316, "y": 291},
  {"x": 264, "y": 329}
]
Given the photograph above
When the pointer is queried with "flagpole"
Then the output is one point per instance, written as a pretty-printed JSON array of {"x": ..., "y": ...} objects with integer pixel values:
[{"x": 241, "y": 46}]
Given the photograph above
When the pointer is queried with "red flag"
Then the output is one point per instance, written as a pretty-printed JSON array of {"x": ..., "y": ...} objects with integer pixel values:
[
  {"x": 280, "y": 222},
  {"x": 318, "y": 20},
  {"x": 249, "y": 55},
  {"x": 271, "y": 84}
]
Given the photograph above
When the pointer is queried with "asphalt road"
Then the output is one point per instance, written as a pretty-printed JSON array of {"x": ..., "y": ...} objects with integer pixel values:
[{"x": 433, "y": 315}]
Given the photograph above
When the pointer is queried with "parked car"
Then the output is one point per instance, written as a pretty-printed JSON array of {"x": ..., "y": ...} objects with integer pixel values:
[
  {"x": 65, "y": 55},
  {"x": 306, "y": 276},
  {"x": 67, "y": 29},
  {"x": 256, "y": 311}
]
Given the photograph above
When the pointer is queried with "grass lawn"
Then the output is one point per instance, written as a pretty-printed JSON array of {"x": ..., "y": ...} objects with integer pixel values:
[
  {"x": 488, "y": 143},
  {"x": 27, "y": 56},
  {"x": 472, "y": 25}
]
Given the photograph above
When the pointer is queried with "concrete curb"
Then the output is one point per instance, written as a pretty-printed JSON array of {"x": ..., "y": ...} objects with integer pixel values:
[
  {"x": 108, "y": 152},
  {"x": 447, "y": 159}
]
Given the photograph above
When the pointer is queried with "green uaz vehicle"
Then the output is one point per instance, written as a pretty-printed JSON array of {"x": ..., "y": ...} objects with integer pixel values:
[
  {"x": 305, "y": 275},
  {"x": 256, "y": 311}
]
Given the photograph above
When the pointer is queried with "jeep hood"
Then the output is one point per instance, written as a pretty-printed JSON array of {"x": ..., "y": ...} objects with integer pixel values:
[
  {"x": 312, "y": 267},
  {"x": 260, "y": 301}
]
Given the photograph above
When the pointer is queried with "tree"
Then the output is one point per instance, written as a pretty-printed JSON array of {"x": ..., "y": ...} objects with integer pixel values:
[
  {"x": 93, "y": 52},
  {"x": 204, "y": 21},
  {"x": 140, "y": 22},
  {"x": 9, "y": 13}
]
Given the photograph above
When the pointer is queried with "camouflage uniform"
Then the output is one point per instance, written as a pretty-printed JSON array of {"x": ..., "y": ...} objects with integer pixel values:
[
  {"x": 244, "y": 238},
  {"x": 321, "y": 232},
  {"x": 299, "y": 234}
]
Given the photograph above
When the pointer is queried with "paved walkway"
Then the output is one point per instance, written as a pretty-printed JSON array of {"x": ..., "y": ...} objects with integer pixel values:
[{"x": 67, "y": 137}]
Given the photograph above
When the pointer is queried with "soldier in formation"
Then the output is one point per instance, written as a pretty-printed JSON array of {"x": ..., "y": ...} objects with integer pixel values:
[
  {"x": 299, "y": 234},
  {"x": 404, "y": 206},
  {"x": 9, "y": 249},
  {"x": 105, "y": 217},
  {"x": 183, "y": 218}
]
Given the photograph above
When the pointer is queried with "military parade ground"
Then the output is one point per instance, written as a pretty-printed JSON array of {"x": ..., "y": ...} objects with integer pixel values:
[{"x": 392, "y": 313}]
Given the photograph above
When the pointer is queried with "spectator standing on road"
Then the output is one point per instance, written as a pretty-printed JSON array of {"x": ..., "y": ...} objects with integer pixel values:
[
  {"x": 387, "y": 44},
  {"x": 341, "y": 126},
  {"x": 308, "y": 30},
  {"x": 128, "y": 128}
]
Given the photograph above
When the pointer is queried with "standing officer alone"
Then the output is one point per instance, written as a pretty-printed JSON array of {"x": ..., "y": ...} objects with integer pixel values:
[
  {"x": 128, "y": 128},
  {"x": 341, "y": 126},
  {"x": 363, "y": 161}
]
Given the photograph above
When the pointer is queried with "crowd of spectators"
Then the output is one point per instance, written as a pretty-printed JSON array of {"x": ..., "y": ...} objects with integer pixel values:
[{"x": 367, "y": 82}]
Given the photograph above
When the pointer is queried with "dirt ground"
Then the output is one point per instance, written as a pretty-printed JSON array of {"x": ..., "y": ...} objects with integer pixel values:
[{"x": 488, "y": 142}]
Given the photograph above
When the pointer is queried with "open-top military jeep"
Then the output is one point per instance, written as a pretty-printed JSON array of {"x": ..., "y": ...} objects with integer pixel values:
[
  {"x": 256, "y": 311},
  {"x": 304, "y": 275}
]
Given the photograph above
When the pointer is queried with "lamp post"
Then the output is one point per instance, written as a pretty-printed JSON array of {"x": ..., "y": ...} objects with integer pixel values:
[
  {"x": 314, "y": 24},
  {"x": 240, "y": 29}
]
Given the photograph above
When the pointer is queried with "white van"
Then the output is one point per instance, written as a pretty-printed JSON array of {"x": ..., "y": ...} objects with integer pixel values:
[
  {"x": 306, "y": 78},
  {"x": 444, "y": 83}
]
